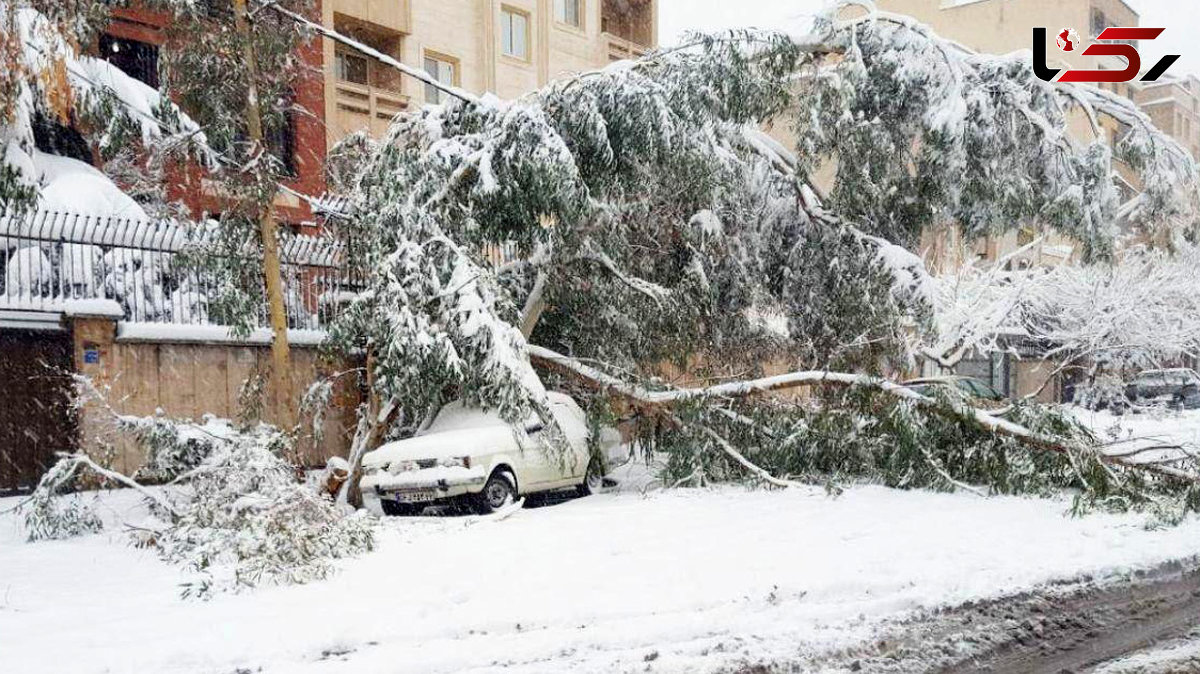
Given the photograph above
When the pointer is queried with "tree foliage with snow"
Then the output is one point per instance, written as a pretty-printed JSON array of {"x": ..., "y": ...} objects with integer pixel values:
[
  {"x": 656, "y": 228},
  {"x": 1108, "y": 320},
  {"x": 50, "y": 85},
  {"x": 923, "y": 131}
]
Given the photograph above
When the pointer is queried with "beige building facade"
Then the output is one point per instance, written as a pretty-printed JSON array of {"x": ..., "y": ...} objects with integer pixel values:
[
  {"x": 505, "y": 47},
  {"x": 1174, "y": 105}
]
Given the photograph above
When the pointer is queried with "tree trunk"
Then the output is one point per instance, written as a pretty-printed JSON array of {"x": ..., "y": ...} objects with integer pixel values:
[
  {"x": 374, "y": 421},
  {"x": 280, "y": 394}
]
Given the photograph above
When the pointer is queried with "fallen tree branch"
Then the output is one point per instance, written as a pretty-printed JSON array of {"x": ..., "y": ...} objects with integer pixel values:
[
  {"x": 741, "y": 459},
  {"x": 80, "y": 459},
  {"x": 658, "y": 400}
]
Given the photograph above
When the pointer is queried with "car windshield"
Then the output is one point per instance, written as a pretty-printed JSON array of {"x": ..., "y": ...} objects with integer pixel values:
[{"x": 457, "y": 416}]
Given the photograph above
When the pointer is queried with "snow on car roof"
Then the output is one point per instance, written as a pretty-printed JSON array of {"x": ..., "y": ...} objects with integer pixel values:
[{"x": 458, "y": 416}]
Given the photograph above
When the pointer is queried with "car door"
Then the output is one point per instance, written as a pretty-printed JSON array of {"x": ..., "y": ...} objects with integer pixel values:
[
  {"x": 549, "y": 467},
  {"x": 538, "y": 457},
  {"x": 573, "y": 421},
  {"x": 1189, "y": 397}
]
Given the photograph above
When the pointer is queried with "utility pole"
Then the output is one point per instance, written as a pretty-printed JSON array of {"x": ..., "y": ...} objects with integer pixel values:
[{"x": 280, "y": 390}]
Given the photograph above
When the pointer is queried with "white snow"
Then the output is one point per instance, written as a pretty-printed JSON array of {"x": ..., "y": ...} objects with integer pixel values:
[
  {"x": 94, "y": 308},
  {"x": 1177, "y": 427},
  {"x": 216, "y": 334},
  {"x": 71, "y": 186},
  {"x": 703, "y": 579},
  {"x": 1174, "y": 659}
]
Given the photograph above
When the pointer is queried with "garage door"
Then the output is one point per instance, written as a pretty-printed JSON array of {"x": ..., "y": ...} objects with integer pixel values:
[{"x": 36, "y": 415}]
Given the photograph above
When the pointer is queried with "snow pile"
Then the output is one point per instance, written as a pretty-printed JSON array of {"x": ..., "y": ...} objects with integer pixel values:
[
  {"x": 71, "y": 186},
  {"x": 1172, "y": 659}
]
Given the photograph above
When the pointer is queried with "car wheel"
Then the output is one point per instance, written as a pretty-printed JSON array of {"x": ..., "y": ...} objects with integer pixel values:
[
  {"x": 398, "y": 509},
  {"x": 499, "y": 491},
  {"x": 593, "y": 479}
]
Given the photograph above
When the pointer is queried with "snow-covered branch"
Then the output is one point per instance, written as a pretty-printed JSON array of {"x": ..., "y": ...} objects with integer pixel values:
[{"x": 659, "y": 399}]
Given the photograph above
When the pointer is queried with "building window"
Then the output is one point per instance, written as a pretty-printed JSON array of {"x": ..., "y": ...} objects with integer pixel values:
[
  {"x": 443, "y": 70},
  {"x": 569, "y": 12},
  {"x": 353, "y": 68},
  {"x": 514, "y": 33},
  {"x": 139, "y": 60}
]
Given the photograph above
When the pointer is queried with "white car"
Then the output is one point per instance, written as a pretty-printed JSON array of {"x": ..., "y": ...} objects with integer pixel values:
[{"x": 477, "y": 457}]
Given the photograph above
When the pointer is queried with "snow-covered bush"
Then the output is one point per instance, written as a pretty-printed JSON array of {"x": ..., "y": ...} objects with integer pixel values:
[
  {"x": 1109, "y": 319},
  {"x": 235, "y": 512},
  {"x": 247, "y": 521},
  {"x": 174, "y": 449}
]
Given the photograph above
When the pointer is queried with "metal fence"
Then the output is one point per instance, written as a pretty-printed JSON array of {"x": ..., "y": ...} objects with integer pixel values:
[{"x": 161, "y": 271}]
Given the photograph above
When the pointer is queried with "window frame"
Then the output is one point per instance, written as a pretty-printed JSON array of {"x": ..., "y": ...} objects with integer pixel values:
[
  {"x": 580, "y": 13},
  {"x": 143, "y": 57},
  {"x": 506, "y": 33},
  {"x": 441, "y": 58},
  {"x": 283, "y": 141},
  {"x": 343, "y": 54}
]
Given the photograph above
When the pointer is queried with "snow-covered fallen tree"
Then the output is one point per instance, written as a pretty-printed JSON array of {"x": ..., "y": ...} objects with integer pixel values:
[
  {"x": 230, "y": 509},
  {"x": 657, "y": 229}
]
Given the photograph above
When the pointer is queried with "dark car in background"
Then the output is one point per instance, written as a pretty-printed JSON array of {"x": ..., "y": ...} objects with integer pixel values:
[
  {"x": 1177, "y": 388},
  {"x": 974, "y": 389}
]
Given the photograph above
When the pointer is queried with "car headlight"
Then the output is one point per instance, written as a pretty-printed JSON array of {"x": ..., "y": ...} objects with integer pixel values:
[{"x": 456, "y": 462}]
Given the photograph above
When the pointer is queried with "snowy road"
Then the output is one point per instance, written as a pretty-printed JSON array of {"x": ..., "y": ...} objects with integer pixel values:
[
  {"x": 1144, "y": 624},
  {"x": 676, "y": 581},
  {"x": 672, "y": 581}
]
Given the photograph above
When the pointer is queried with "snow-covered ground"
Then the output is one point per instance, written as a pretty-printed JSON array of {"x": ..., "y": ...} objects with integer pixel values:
[
  {"x": 669, "y": 581},
  {"x": 1182, "y": 428}
]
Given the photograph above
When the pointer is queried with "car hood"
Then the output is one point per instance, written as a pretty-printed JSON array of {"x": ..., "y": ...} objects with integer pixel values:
[{"x": 448, "y": 444}]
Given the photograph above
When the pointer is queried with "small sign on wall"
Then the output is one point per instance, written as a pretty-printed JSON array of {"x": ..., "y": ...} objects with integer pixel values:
[{"x": 91, "y": 353}]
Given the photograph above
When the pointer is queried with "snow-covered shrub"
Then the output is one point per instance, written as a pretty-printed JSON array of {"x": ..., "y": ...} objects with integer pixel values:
[
  {"x": 236, "y": 511},
  {"x": 247, "y": 521},
  {"x": 173, "y": 449}
]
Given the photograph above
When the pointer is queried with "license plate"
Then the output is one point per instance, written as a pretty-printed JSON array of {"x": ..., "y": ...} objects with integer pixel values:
[{"x": 423, "y": 496}]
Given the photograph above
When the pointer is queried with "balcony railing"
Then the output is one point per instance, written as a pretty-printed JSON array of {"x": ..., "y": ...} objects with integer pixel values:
[
  {"x": 377, "y": 105},
  {"x": 156, "y": 271},
  {"x": 620, "y": 48}
]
